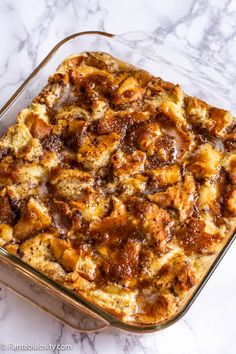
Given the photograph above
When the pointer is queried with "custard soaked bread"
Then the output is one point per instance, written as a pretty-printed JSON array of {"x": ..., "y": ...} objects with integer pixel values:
[{"x": 119, "y": 186}]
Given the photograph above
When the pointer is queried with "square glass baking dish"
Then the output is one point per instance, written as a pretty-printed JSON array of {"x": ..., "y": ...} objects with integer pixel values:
[{"x": 160, "y": 58}]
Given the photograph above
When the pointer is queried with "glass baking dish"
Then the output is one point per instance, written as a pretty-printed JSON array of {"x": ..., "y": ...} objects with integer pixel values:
[{"x": 162, "y": 59}]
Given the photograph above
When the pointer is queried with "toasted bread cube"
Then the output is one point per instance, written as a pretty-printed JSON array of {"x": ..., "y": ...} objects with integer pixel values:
[
  {"x": 69, "y": 183},
  {"x": 37, "y": 247},
  {"x": 50, "y": 160},
  {"x": 210, "y": 227},
  {"x": 96, "y": 153},
  {"x": 166, "y": 175},
  {"x": 81, "y": 263},
  {"x": 92, "y": 205},
  {"x": 221, "y": 118},
  {"x": 127, "y": 165},
  {"x": 50, "y": 94},
  {"x": 178, "y": 273},
  {"x": 16, "y": 138},
  {"x": 150, "y": 219},
  {"x": 59, "y": 246},
  {"x": 155, "y": 221},
  {"x": 78, "y": 283},
  {"x": 31, "y": 173},
  {"x": 6, "y": 234},
  {"x": 87, "y": 267},
  {"x": 199, "y": 236},
  {"x": 134, "y": 184},
  {"x": 117, "y": 122},
  {"x": 20, "y": 192},
  {"x": 198, "y": 112},
  {"x": 208, "y": 195},
  {"x": 38, "y": 127},
  {"x": 36, "y": 119},
  {"x": 180, "y": 197},
  {"x": 70, "y": 260},
  {"x": 7, "y": 215},
  {"x": 60, "y": 128},
  {"x": 129, "y": 91},
  {"x": 118, "y": 216},
  {"x": 25, "y": 180},
  {"x": 129, "y": 84},
  {"x": 34, "y": 218},
  {"x": 62, "y": 72},
  {"x": 73, "y": 260},
  {"x": 80, "y": 73},
  {"x": 6, "y": 170},
  {"x": 102, "y": 61},
  {"x": 99, "y": 108},
  {"x": 162, "y": 306},
  {"x": 36, "y": 251},
  {"x": 119, "y": 300},
  {"x": 32, "y": 151},
  {"x": 20, "y": 179},
  {"x": 12, "y": 248},
  {"x": 39, "y": 109},
  {"x": 177, "y": 95},
  {"x": 205, "y": 162},
  {"x": 174, "y": 113},
  {"x": 148, "y": 137},
  {"x": 72, "y": 112}
]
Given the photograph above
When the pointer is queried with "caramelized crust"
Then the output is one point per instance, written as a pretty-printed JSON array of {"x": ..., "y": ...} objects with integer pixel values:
[{"x": 119, "y": 186}]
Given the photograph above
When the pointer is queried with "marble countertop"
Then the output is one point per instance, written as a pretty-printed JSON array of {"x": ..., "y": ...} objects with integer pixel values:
[{"x": 29, "y": 29}]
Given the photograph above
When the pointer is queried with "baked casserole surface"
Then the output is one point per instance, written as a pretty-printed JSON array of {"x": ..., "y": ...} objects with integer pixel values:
[{"x": 119, "y": 186}]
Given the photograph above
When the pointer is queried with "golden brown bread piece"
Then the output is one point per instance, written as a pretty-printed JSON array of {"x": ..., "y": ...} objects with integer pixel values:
[
  {"x": 97, "y": 151},
  {"x": 119, "y": 186},
  {"x": 34, "y": 218},
  {"x": 181, "y": 197},
  {"x": 69, "y": 183},
  {"x": 6, "y": 234},
  {"x": 36, "y": 252}
]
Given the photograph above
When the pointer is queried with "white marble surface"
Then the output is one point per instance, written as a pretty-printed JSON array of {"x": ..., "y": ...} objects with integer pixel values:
[{"x": 28, "y": 30}]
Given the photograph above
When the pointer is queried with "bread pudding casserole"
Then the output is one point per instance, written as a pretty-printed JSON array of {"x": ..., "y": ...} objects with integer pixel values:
[{"x": 119, "y": 186}]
